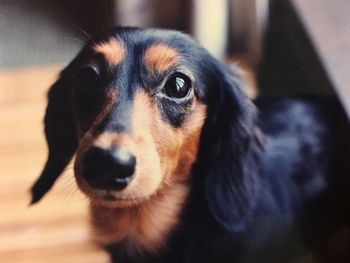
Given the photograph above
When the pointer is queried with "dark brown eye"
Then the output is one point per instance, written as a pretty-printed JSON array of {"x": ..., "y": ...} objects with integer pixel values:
[
  {"x": 177, "y": 86},
  {"x": 87, "y": 77}
]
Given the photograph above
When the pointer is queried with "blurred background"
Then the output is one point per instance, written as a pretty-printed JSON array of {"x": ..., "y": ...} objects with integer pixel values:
[{"x": 283, "y": 46}]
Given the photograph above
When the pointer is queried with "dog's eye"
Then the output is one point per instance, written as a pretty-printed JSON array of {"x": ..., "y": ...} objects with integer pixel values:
[
  {"x": 177, "y": 86},
  {"x": 87, "y": 77}
]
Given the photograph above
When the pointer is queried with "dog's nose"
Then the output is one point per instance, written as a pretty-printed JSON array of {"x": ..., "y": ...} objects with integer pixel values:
[{"x": 108, "y": 169}]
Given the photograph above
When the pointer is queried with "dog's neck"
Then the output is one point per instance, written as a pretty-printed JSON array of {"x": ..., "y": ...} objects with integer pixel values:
[{"x": 145, "y": 227}]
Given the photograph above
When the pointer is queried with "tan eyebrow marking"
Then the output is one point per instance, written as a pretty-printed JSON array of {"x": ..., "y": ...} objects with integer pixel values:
[
  {"x": 159, "y": 57},
  {"x": 113, "y": 51}
]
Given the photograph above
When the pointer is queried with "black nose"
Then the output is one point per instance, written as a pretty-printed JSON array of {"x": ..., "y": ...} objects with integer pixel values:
[{"x": 110, "y": 169}]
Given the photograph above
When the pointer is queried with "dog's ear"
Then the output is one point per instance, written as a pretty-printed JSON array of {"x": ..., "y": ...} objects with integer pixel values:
[
  {"x": 230, "y": 149},
  {"x": 60, "y": 136}
]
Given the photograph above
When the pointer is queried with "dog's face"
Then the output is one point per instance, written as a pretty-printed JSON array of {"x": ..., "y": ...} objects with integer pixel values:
[
  {"x": 139, "y": 108},
  {"x": 138, "y": 117}
]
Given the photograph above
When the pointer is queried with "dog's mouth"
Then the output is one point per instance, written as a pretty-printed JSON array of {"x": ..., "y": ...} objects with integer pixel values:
[
  {"x": 107, "y": 197},
  {"x": 110, "y": 199}
]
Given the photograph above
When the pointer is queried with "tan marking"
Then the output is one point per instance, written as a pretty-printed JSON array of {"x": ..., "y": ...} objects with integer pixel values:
[
  {"x": 178, "y": 147},
  {"x": 113, "y": 51},
  {"x": 160, "y": 57},
  {"x": 188, "y": 152}
]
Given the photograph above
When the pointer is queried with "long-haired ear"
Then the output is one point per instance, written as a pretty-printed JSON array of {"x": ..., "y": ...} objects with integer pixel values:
[
  {"x": 60, "y": 136},
  {"x": 230, "y": 150}
]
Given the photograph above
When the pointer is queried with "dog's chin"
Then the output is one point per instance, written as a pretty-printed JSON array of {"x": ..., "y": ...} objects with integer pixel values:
[{"x": 109, "y": 200}]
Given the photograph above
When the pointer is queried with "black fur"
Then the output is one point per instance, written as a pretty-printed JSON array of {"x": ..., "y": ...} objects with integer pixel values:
[
  {"x": 61, "y": 136},
  {"x": 265, "y": 171}
]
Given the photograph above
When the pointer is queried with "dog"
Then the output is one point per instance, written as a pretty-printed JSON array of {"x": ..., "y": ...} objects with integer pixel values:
[{"x": 178, "y": 163}]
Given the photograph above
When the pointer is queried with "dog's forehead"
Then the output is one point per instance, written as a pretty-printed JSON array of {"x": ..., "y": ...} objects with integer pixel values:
[
  {"x": 155, "y": 54},
  {"x": 134, "y": 58}
]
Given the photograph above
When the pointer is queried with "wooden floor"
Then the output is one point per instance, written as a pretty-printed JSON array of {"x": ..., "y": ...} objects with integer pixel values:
[{"x": 56, "y": 229}]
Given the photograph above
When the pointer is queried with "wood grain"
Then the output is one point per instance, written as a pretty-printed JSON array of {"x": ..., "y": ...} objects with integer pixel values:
[{"x": 56, "y": 229}]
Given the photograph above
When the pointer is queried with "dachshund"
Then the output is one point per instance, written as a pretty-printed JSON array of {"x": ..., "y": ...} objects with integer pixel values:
[{"x": 178, "y": 163}]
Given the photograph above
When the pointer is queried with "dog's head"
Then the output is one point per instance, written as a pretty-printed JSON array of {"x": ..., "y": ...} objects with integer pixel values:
[{"x": 139, "y": 108}]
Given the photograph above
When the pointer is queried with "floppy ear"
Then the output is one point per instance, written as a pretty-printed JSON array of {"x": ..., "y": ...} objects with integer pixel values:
[
  {"x": 230, "y": 149},
  {"x": 60, "y": 136}
]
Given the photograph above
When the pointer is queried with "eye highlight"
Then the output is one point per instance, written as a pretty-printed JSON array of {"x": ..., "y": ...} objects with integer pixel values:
[{"x": 177, "y": 86}]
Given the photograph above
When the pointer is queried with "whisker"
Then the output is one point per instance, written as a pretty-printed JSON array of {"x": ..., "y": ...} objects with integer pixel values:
[{"x": 75, "y": 39}]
